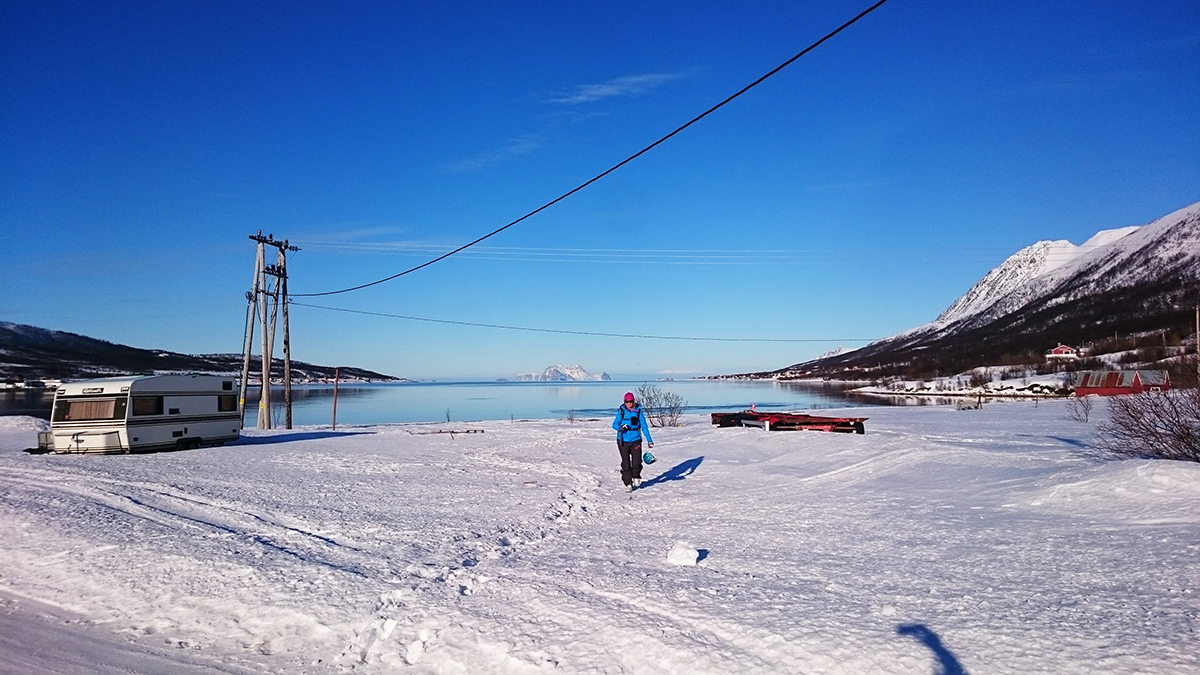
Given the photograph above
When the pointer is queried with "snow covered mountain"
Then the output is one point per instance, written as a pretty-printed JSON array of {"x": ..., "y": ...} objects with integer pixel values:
[
  {"x": 835, "y": 352},
  {"x": 1013, "y": 283},
  {"x": 1052, "y": 273},
  {"x": 562, "y": 374},
  {"x": 1127, "y": 280}
]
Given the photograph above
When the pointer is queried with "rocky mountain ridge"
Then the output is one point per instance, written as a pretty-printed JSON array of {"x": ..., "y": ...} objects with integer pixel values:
[{"x": 30, "y": 352}]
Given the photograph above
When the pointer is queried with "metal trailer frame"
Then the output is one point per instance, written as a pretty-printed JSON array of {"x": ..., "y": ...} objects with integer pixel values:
[
  {"x": 144, "y": 414},
  {"x": 790, "y": 421}
]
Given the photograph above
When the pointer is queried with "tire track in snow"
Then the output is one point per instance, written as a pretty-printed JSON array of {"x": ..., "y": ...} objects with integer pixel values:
[
  {"x": 886, "y": 460},
  {"x": 163, "y": 515},
  {"x": 734, "y": 642},
  {"x": 864, "y": 469}
]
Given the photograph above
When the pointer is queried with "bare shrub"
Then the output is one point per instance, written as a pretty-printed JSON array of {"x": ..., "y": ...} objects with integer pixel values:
[
  {"x": 673, "y": 405},
  {"x": 980, "y": 377},
  {"x": 649, "y": 397},
  {"x": 1163, "y": 425},
  {"x": 1152, "y": 354},
  {"x": 1080, "y": 409},
  {"x": 662, "y": 408},
  {"x": 1183, "y": 371}
]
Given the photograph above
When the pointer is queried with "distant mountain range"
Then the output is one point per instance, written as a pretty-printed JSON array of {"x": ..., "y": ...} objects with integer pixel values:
[
  {"x": 1128, "y": 281},
  {"x": 562, "y": 374},
  {"x": 29, "y": 352}
]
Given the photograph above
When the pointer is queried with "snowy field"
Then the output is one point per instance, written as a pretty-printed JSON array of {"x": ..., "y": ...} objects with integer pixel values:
[{"x": 942, "y": 541}]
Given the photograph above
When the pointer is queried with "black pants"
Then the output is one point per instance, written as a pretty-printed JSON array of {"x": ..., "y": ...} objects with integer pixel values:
[{"x": 631, "y": 460}]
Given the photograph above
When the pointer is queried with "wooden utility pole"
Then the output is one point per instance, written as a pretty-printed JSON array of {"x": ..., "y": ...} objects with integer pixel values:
[
  {"x": 248, "y": 338},
  {"x": 268, "y": 336},
  {"x": 274, "y": 300},
  {"x": 287, "y": 343},
  {"x": 266, "y": 313}
]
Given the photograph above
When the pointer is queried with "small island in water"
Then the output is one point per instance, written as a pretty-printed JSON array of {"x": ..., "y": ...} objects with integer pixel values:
[{"x": 563, "y": 374}]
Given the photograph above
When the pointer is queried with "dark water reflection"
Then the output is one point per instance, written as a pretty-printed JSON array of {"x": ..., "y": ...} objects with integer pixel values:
[{"x": 32, "y": 402}]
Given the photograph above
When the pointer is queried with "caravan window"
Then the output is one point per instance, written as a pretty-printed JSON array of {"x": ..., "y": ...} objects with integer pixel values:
[
  {"x": 147, "y": 405},
  {"x": 90, "y": 409},
  {"x": 226, "y": 403}
]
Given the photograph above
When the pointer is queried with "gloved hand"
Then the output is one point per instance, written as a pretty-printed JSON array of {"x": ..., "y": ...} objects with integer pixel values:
[
  {"x": 650, "y": 444},
  {"x": 624, "y": 427}
]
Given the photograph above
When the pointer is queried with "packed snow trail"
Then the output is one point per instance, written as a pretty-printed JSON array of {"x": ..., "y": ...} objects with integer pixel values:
[{"x": 990, "y": 541}]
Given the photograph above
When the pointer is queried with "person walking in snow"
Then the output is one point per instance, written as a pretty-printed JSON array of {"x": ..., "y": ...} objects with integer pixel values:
[{"x": 631, "y": 425}]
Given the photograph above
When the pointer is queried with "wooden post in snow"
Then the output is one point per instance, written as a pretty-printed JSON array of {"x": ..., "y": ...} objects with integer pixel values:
[{"x": 335, "y": 385}]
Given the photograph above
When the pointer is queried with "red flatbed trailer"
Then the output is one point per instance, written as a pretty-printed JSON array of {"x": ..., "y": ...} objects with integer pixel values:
[{"x": 789, "y": 421}]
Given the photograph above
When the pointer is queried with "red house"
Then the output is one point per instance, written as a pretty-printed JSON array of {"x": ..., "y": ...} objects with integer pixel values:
[
  {"x": 1064, "y": 352},
  {"x": 1118, "y": 382}
]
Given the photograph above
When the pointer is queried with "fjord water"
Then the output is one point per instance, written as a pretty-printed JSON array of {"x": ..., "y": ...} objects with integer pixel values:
[{"x": 474, "y": 401}]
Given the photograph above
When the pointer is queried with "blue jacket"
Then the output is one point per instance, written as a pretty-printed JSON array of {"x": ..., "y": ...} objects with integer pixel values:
[{"x": 636, "y": 422}]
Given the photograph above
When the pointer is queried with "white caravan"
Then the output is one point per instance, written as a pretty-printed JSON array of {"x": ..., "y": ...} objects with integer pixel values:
[{"x": 143, "y": 413}]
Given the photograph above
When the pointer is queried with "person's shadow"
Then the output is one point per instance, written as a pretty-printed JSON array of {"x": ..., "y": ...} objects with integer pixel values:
[
  {"x": 947, "y": 662},
  {"x": 678, "y": 472}
]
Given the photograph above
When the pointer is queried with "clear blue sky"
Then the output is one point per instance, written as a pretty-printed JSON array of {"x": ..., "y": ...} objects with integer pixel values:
[{"x": 854, "y": 195}]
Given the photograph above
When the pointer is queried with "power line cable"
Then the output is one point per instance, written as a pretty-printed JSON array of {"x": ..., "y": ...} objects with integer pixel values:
[
  {"x": 620, "y": 164},
  {"x": 575, "y": 332}
]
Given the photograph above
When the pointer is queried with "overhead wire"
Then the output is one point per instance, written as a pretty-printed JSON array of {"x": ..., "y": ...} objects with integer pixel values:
[
  {"x": 575, "y": 332},
  {"x": 750, "y": 257},
  {"x": 616, "y": 166}
]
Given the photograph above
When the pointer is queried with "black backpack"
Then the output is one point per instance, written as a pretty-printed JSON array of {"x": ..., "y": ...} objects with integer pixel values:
[{"x": 635, "y": 421}]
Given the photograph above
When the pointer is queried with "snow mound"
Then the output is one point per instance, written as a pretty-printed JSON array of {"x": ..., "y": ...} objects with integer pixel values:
[
  {"x": 23, "y": 423},
  {"x": 683, "y": 554},
  {"x": 1145, "y": 491}
]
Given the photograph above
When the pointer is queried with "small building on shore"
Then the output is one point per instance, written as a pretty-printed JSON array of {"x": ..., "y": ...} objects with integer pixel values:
[
  {"x": 1119, "y": 382},
  {"x": 1062, "y": 353}
]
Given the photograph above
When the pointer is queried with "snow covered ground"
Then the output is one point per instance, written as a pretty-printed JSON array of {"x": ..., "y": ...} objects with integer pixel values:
[
  {"x": 1001, "y": 385},
  {"x": 942, "y": 541}
]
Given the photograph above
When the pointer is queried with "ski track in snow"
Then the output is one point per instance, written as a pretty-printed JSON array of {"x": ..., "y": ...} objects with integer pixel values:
[{"x": 997, "y": 532}]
